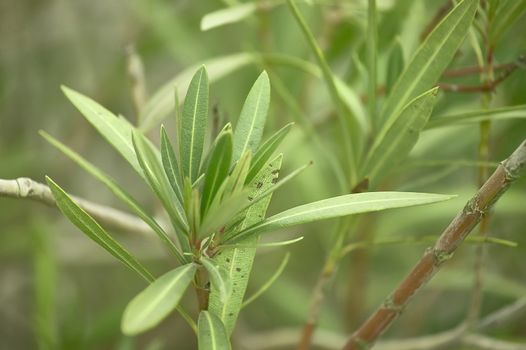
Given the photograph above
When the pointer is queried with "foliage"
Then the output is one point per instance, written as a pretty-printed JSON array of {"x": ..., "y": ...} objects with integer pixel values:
[{"x": 381, "y": 109}]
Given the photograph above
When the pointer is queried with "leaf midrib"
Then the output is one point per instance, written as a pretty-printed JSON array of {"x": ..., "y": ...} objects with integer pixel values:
[
  {"x": 193, "y": 124},
  {"x": 280, "y": 217},
  {"x": 410, "y": 91},
  {"x": 251, "y": 129},
  {"x": 145, "y": 311}
]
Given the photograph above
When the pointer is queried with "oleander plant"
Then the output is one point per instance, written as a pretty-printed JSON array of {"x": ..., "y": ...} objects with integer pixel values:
[{"x": 393, "y": 131}]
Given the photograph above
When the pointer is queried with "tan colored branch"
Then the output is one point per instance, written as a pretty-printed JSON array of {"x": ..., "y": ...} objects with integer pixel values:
[
  {"x": 433, "y": 258},
  {"x": 25, "y": 188},
  {"x": 482, "y": 342},
  {"x": 503, "y": 315}
]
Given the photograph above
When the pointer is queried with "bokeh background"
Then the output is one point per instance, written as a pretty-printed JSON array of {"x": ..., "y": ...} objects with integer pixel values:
[{"x": 58, "y": 290}]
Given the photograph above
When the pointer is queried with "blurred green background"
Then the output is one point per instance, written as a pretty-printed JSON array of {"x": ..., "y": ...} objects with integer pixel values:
[{"x": 58, "y": 290}]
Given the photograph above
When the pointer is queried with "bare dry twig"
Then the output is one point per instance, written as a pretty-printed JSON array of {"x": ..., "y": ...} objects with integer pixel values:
[
  {"x": 430, "y": 263},
  {"x": 25, "y": 188}
]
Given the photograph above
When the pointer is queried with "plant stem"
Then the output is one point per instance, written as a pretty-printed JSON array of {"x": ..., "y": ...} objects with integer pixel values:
[
  {"x": 346, "y": 119},
  {"x": 334, "y": 257},
  {"x": 25, "y": 188},
  {"x": 483, "y": 173},
  {"x": 372, "y": 39},
  {"x": 432, "y": 260},
  {"x": 441, "y": 13},
  {"x": 138, "y": 81}
]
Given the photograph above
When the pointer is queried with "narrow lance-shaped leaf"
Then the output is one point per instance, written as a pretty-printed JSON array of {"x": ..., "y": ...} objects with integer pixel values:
[
  {"x": 351, "y": 137},
  {"x": 395, "y": 65},
  {"x": 93, "y": 230},
  {"x": 431, "y": 58},
  {"x": 211, "y": 333},
  {"x": 236, "y": 180},
  {"x": 372, "y": 57},
  {"x": 219, "y": 278},
  {"x": 150, "y": 162},
  {"x": 261, "y": 195},
  {"x": 395, "y": 140},
  {"x": 157, "y": 301},
  {"x": 238, "y": 260},
  {"x": 266, "y": 150},
  {"x": 116, "y": 131},
  {"x": 170, "y": 165},
  {"x": 162, "y": 101},
  {"x": 206, "y": 160},
  {"x": 193, "y": 124},
  {"x": 227, "y": 15},
  {"x": 475, "y": 117},
  {"x": 218, "y": 167},
  {"x": 118, "y": 191},
  {"x": 249, "y": 128},
  {"x": 337, "y": 207},
  {"x": 507, "y": 14}
]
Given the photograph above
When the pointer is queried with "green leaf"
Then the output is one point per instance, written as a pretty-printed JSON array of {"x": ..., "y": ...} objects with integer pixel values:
[
  {"x": 170, "y": 165},
  {"x": 157, "y": 301},
  {"x": 337, "y": 207},
  {"x": 150, "y": 162},
  {"x": 218, "y": 167},
  {"x": 228, "y": 15},
  {"x": 93, "y": 230},
  {"x": 372, "y": 57},
  {"x": 431, "y": 59},
  {"x": 475, "y": 117},
  {"x": 395, "y": 65},
  {"x": 162, "y": 101},
  {"x": 115, "y": 130},
  {"x": 251, "y": 122},
  {"x": 118, "y": 191},
  {"x": 212, "y": 334},
  {"x": 236, "y": 180},
  {"x": 266, "y": 150},
  {"x": 219, "y": 278},
  {"x": 238, "y": 260},
  {"x": 507, "y": 14},
  {"x": 193, "y": 124},
  {"x": 351, "y": 138},
  {"x": 395, "y": 140},
  {"x": 222, "y": 212},
  {"x": 264, "y": 194}
]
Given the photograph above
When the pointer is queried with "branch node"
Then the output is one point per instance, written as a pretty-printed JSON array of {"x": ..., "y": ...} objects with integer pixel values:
[
  {"x": 440, "y": 256},
  {"x": 390, "y": 304},
  {"x": 25, "y": 188},
  {"x": 362, "y": 344},
  {"x": 473, "y": 207}
]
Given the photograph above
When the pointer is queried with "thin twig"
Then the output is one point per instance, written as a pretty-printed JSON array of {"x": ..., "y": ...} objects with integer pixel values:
[
  {"x": 503, "y": 315},
  {"x": 441, "y": 13},
  {"x": 324, "y": 339},
  {"x": 433, "y": 258},
  {"x": 486, "y": 87},
  {"x": 138, "y": 81},
  {"x": 486, "y": 343},
  {"x": 329, "y": 267},
  {"x": 25, "y": 188},
  {"x": 473, "y": 313}
]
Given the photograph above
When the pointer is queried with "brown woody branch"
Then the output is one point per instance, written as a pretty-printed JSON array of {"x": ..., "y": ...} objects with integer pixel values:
[
  {"x": 432, "y": 260},
  {"x": 25, "y": 188}
]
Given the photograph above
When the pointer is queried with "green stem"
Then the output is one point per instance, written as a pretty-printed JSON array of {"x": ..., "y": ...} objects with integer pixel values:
[
  {"x": 345, "y": 117},
  {"x": 372, "y": 39}
]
